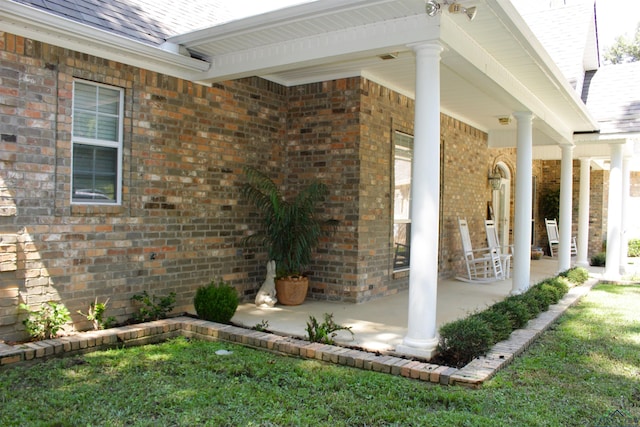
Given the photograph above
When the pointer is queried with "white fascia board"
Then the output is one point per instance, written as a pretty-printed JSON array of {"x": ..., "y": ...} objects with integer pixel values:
[
  {"x": 317, "y": 49},
  {"x": 272, "y": 19},
  {"x": 35, "y": 24}
]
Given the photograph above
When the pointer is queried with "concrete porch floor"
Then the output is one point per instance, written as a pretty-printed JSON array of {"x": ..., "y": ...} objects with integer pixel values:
[{"x": 380, "y": 325}]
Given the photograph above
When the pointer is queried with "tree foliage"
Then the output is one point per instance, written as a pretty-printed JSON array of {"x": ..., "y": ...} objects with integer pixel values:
[{"x": 624, "y": 49}]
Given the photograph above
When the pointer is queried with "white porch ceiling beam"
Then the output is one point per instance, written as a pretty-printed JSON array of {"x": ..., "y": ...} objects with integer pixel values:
[{"x": 351, "y": 43}]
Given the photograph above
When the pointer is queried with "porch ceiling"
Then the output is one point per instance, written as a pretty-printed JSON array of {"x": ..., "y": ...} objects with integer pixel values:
[{"x": 491, "y": 66}]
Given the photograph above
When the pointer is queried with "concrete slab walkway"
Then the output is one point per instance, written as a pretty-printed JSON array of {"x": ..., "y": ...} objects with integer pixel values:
[{"x": 380, "y": 325}]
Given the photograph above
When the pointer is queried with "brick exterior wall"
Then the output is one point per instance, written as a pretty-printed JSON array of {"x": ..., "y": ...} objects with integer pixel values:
[{"x": 182, "y": 219}]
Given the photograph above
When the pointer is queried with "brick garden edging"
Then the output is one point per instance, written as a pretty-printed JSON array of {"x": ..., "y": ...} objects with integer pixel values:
[{"x": 473, "y": 374}]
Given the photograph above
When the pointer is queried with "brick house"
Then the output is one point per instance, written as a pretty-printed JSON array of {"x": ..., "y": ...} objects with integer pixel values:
[{"x": 126, "y": 126}]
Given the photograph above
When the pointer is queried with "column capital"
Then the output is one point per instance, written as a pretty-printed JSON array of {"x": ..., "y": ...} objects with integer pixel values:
[
  {"x": 523, "y": 115},
  {"x": 429, "y": 47}
]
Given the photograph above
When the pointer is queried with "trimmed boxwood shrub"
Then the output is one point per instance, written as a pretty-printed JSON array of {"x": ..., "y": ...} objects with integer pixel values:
[
  {"x": 516, "y": 311},
  {"x": 577, "y": 275},
  {"x": 599, "y": 259},
  {"x": 498, "y": 323},
  {"x": 216, "y": 302},
  {"x": 560, "y": 283},
  {"x": 464, "y": 339}
]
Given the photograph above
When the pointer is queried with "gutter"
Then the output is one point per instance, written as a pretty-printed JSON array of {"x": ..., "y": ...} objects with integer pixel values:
[{"x": 30, "y": 22}]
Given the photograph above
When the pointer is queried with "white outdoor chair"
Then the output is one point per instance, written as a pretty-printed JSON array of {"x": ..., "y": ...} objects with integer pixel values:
[
  {"x": 494, "y": 242},
  {"x": 554, "y": 237},
  {"x": 483, "y": 265}
]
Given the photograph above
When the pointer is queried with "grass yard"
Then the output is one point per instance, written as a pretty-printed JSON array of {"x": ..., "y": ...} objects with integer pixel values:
[{"x": 584, "y": 372}]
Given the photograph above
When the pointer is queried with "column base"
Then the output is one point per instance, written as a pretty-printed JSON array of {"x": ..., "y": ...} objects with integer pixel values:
[{"x": 423, "y": 349}]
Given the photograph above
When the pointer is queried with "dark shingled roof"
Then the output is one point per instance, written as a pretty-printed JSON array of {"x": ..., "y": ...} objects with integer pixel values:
[
  {"x": 148, "y": 21},
  {"x": 612, "y": 94}
]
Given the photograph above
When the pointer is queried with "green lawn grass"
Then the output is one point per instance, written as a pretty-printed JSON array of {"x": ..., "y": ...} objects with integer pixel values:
[{"x": 584, "y": 372}]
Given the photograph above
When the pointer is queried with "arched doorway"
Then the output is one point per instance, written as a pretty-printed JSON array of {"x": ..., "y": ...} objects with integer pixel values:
[{"x": 501, "y": 201}]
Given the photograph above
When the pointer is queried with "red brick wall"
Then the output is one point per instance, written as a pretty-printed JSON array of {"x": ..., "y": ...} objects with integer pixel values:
[{"x": 181, "y": 221}]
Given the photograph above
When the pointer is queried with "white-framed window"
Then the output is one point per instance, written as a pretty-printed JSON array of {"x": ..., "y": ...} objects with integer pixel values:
[
  {"x": 96, "y": 143},
  {"x": 403, "y": 156}
]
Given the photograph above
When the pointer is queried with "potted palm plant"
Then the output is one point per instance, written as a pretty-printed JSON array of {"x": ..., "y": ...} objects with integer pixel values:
[{"x": 290, "y": 231}]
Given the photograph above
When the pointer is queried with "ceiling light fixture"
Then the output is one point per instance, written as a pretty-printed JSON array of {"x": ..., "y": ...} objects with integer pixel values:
[
  {"x": 432, "y": 8},
  {"x": 469, "y": 11}
]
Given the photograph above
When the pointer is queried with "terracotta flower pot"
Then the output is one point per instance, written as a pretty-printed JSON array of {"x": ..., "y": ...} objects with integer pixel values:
[{"x": 292, "y": 290}]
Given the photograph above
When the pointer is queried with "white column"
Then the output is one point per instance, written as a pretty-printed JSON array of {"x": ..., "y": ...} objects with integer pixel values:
[
  {"x": 523, "y": 204},
  {"x": 422, "y": 339},
  {"x": 583, "y": 213},
  {"x": 624, "y": 214},
  {"x": 566, "y": 208},
  {"x": 614, "y": 216}
]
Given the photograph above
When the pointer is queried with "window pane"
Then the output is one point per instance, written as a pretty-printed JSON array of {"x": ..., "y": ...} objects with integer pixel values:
[
  {"x": 108, "y": 101},
  {"x": 84, "y": 124},
  {"x": 84, "y": 97},
  {"x": 107, "y": 128},
  {"x": 401, "y": 243},
  {"x": 95, "y": 171}
]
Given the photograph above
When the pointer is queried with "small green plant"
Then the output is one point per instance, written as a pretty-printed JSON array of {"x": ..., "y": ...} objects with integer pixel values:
[
  {"x": 45, "y": 323},
  {"x": 153, "y": 307},
  {"x": 263, "y": 326},
  {"x": 95, "y": 314},
  {"x": 464, "y": 339},
  {"x": 599, "y": 259},
  {"x": 634, "y": 248},
  {"x": 324, "y": 332},
  {"x": 216, "y": 302}
]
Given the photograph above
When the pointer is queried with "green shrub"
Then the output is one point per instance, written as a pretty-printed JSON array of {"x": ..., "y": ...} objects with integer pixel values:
[
  {"x": 560, "y": 283},
  {"x": 516, "y": 311},
  {"x": 216, "y": 302},
  {"x": 577, "y": 275},
  {"x": 540, "y": 297},
  {"x": 153, "y": 307},
  {"x": 45, "y": 323},
  {"x": 554, "y": 294},
  {"x": 634, "y": 248},
  {"x": 599, "y": 259},
  {"x": 498, "y": 323},
  {"x": 530, "y": 303},
  {"x": 463, "y": 340}
]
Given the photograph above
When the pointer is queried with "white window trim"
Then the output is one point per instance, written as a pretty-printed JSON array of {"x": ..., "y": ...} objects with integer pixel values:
[{"x": 100, "y": 143}]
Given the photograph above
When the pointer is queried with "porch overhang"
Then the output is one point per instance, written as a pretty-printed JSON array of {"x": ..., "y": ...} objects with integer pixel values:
[{"x": 492, "y": 66}]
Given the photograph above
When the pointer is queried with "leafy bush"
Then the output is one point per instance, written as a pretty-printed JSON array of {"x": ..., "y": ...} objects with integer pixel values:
[
  {"x": 498, "y": 322},
  {"x": 153, "y": 307},
  {"x": 599, "y": 259},
  {"x": 45, "y": 323},
  {"x": 216, "y": 302},
  {"x": 577, "y": 275},
  {"x": 560, "y": 283},
  {"x": 464, "y": 339},
  {"x": 516, "y": 311},
  {"x": 634, "y": 248},
  {"x": 324, "y": 332}
]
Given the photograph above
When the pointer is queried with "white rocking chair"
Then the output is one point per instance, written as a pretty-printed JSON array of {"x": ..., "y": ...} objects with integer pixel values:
[
  {"x": 494, "y": 242},
  {"x": 554, "y": 237},
  {"x": 483, "y": 265}
]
